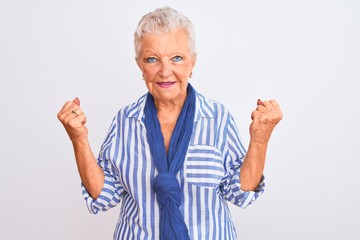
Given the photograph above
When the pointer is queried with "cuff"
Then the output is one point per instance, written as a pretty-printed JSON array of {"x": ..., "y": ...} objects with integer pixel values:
[{"x": 248, "y": 197}]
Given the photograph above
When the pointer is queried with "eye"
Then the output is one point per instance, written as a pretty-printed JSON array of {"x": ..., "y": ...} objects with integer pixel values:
[
  {"x": 177, "y": 59},
  {"x": 151, "y": 60}
]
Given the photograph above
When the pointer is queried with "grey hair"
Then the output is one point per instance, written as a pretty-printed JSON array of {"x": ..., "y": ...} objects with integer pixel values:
[{"x": 164, "y": 20}]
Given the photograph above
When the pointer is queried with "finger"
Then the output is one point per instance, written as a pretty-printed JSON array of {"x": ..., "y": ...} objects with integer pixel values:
[
  {"x": 76, "y": 110},
  {"x": 261, "y": 108},
  {"x": 268, "y": 105},
  {"x": 79, "y": 120},
  {"x": 84, "y": 120},
  {"x": 275, "y": 104},
  {"x": 277, "y": 108},
  {"x": 73, "y": 122},
  {"x": 65, "y": 106},
  {"x": 80, "y": 116},
  {"x": 76, "y": 101},
  {"x": 67, "y": 111},
  {"x": 63, "y": 113},
  {"x": 259, "y": 102},
  {"x": 68, "y": 106},
  {"x": 73, "y": 111}
]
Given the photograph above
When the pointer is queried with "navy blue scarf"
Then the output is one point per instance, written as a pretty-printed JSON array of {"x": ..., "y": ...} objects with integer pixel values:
[{"x": 165, "y": 184}]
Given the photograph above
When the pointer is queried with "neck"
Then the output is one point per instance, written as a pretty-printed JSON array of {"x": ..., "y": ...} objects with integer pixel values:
[
  {"x": 168, "y": 111},
  {"x": 174, "y": 105}
]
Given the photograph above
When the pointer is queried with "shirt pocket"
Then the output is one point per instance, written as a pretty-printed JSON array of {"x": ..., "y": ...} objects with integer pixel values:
[{"x": 204, "y": 166}]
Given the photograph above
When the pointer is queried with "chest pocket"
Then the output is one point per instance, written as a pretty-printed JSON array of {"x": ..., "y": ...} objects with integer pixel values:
[{"x": 204, "y": 166}]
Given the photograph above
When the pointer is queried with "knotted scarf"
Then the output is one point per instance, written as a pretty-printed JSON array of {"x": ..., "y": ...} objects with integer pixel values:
[{"x": 165, "y": 184}]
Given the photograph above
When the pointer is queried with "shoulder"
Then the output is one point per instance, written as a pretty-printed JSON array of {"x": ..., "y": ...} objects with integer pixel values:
[
  {"x": 132, "y": 110},
  {"x": 209, "y": 107}
]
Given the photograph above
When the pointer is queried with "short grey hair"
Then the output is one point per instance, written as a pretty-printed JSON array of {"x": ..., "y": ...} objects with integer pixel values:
[{"x": 164, "y": 20}]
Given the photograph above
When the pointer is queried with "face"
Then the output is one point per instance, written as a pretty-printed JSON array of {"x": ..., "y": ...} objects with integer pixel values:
[{"x": 166, "y": 63}]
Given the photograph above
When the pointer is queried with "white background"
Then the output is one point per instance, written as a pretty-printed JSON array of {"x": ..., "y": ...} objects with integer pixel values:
[{"x": 305, "y": 54}]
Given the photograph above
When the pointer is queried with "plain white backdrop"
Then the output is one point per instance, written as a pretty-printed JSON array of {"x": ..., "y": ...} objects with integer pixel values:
[{"x": 304, "y": 53}]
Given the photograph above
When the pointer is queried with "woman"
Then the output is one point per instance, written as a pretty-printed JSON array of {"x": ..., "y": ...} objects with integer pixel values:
[{"x": 173, "y": 158}]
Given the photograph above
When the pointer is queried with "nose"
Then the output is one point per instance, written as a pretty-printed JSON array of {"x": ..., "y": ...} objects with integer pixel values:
[{"x": 166, "y": 69}]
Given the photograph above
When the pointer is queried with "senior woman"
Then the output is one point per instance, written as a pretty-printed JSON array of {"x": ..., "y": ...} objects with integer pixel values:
[{"x": 173, "y": 158}]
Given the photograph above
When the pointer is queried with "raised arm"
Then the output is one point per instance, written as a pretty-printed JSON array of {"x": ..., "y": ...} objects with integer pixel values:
[
  {"x": 73, "y": 119},
  {"x": 264, "y": 119}
]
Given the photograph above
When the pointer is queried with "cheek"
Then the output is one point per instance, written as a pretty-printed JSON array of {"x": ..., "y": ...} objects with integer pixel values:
[
  {"x": 149, "y": 72},
  {"x": 185, "y": 71}
]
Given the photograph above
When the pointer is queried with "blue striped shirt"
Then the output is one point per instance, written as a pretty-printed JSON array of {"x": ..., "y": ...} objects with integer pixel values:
[{"x": 209, "y": 178}]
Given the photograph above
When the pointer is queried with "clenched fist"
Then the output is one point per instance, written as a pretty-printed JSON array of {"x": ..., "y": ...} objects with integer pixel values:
[
  {"x": 264, "y": 119},
  {"x": 73, "y": 119}
]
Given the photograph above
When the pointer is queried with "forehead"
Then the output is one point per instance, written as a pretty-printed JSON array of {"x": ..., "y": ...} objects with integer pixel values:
[{"x": 165, "y": 43}]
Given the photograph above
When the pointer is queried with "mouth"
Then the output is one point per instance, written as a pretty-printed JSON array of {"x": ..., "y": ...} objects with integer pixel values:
[{"x": 165, "y": 84}]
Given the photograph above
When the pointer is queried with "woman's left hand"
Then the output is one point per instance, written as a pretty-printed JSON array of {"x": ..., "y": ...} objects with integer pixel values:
[{"x": 264, "y": 119}]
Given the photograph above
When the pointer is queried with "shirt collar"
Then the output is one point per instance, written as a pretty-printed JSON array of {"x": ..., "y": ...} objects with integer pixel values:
[{"x": 136, "y": 110}]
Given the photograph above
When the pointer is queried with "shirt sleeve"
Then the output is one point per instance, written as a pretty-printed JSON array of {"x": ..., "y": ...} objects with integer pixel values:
[
  {"x": 112, "y": 190},
  {"x": 234, "y": 156}
]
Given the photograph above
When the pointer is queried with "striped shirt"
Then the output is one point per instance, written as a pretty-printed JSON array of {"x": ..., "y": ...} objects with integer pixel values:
[{"x": 210, "y": 176}]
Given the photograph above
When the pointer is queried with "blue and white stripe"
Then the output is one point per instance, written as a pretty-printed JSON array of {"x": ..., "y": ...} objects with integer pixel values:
[{"x": 209, "y": 177}]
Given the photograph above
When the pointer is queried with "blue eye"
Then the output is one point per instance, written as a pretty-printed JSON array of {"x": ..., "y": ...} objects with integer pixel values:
[
  {"x": 177, "y": 59},
  {"x": 151, "y": 60}
]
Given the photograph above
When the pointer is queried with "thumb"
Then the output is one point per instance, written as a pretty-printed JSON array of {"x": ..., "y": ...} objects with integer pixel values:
[
  {"x": 76, "y": 101},
  {"x": 259, "y": 102}
]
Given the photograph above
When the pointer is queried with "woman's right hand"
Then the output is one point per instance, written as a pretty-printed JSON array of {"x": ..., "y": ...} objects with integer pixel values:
[
  {"x": 91, "y": 174},
  {"x": 73, "y": 119}
]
